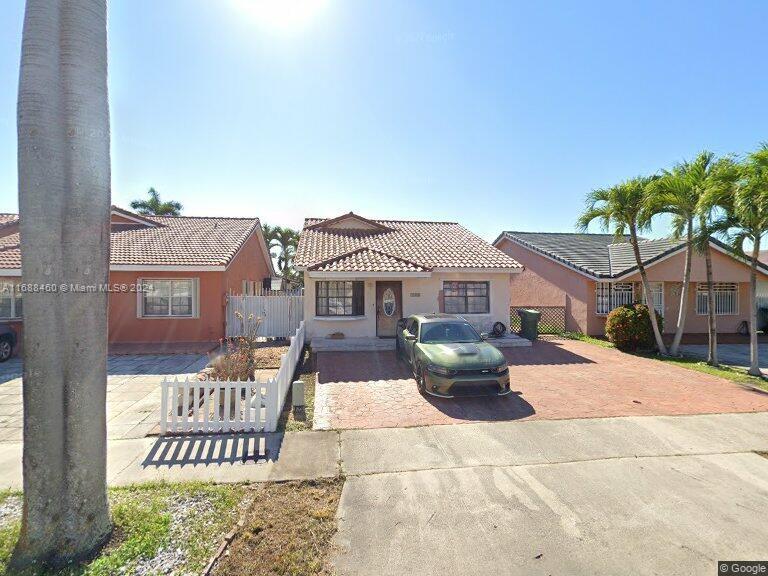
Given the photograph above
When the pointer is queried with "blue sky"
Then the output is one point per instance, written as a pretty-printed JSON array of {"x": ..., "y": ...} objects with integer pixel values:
[{"x": 498, "y": 115}]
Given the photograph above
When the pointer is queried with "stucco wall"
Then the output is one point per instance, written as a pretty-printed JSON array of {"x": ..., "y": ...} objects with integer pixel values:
[
  {"x": 420, "y": 296},
  {"x": 125, "y": 326},
  {"x": 547, "y": 283},
  {"x": 248, "y": 264},
  {"x": 670, "y": 271}
]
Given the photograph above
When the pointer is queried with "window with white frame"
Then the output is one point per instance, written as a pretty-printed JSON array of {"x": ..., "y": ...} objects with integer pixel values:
[
  {"x": 726, "y": 298},
  {"x": 169, "y": 298},
  {"x": 610, "y": 295},
  {"x": 10, "y": 301},
  {"x": 657, "y": 295}
]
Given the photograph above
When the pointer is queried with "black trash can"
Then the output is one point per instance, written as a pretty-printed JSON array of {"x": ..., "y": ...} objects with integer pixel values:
[
  {"x": 529, "y": 323},
  {"x": 762, "y": 319}
]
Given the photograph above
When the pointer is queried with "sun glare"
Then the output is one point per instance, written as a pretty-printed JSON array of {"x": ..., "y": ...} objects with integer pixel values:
[{"x": 284, "y": 15}]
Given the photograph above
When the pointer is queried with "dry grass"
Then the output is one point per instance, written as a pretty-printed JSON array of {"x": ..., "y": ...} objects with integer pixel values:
[
  {"x": 287, "y": 530},
  {"x": 267, "y": 354},
  {"x": 296, "y": 419}
]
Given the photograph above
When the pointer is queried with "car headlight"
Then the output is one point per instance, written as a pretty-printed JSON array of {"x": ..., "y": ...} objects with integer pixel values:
[
  {"x": 440, "y": 370},
  {"x": 501, "y": 368}
]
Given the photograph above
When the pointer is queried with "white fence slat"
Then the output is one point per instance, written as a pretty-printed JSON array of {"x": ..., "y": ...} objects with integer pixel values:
[
  {"x": 229, "y": 406},
  {"x": 281, "y": 314}
]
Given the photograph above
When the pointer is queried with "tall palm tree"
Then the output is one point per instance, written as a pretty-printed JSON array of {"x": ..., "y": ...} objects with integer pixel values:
[
  {"x": 623, "y": 208},
  {"x": 155, "y": 207},
  {"x": 64, "y": 206},
  {"x": 678, "y": 192},
  {"x": 747, "y": 203},
  {"x": 713, "y": 221}
]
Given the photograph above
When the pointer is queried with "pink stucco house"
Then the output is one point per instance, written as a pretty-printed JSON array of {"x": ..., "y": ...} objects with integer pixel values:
[{"x": 590, "y": 274}]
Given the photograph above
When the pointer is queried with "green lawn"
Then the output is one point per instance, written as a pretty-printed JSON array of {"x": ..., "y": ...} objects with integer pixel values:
[
  {"x": 732, "y": 373},
  {"x": 180, "y": 525}
]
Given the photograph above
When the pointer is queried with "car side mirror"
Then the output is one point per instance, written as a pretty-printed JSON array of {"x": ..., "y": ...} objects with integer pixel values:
[{"x": 484, "y": 336}]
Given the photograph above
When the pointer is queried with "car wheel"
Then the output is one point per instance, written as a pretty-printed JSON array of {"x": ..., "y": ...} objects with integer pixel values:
[
  {"x": 6, "y": 349},
  {"x": 421, "y": 379}
]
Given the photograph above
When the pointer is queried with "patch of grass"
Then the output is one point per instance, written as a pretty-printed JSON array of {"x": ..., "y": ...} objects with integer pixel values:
[
  {"x": 148, "y": 518},
  {"x": 297, "y": 419},
  {"x": 287, "y": 530},
  {"x": 589, "y": 339}
]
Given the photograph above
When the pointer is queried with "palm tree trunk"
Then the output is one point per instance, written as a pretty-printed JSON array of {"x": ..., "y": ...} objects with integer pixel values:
[
  {"x": 684, "y": 292},
  {"x": 754, "y": 356},
  {"x": 647, "y": 291},
  {"x": 64, "y": 206},
  {"x": 712, "y": 359}
]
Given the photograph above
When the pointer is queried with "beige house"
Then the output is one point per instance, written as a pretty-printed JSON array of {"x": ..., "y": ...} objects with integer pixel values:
[
  {"x": 591, "y": 274},
  {"x": 361, "y": 275}
]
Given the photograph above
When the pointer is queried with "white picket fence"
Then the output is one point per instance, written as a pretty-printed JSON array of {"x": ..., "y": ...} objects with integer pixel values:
[
  {"x": 190, "y": 406},
  {"x": 281, "y": 314}
]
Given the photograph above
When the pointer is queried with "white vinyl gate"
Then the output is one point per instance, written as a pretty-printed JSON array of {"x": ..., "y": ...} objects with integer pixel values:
[{"x": 281, "y": 314}]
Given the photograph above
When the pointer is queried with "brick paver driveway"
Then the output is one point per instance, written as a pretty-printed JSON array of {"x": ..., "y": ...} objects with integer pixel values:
[
  {"x": 554, "y": 380},
  {"x": 133, "y": 392}
]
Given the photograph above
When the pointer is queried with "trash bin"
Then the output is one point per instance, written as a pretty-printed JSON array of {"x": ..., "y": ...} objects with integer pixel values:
[
  {"x": 529, "y": 323},
  {"x": 762, "y": 319}
]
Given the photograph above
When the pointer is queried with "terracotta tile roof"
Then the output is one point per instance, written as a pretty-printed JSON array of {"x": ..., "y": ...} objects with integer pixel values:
[
  {"x": 425, "y": 245},
  {"x": 367, "y": 260},
  {"x": 176, "y": 241}
]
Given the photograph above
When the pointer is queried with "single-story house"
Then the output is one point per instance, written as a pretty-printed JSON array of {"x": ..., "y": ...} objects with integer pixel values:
[
  {"x": 590, "y": 274},
  {"x": 186, "y": 265},
  {"x": 361, "y": 275}
]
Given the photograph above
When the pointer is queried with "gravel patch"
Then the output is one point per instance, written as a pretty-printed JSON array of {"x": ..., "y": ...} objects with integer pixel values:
[
  {"x": 170, "y": 557},
  {"x": 10, "y": 510}
]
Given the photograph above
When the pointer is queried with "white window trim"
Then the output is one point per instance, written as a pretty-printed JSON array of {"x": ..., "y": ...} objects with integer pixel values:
[
  {"x": 701, "y": 289},
  {"x": 490, "y": 303},
  {"x": 610, "y": 296},
  {"x": 195, "y": 300},
  {"x": 661, "y": 284},
  {"x": 13, "y": 292}
]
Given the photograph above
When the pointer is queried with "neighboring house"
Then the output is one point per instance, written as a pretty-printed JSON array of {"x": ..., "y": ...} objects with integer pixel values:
[
  {"x": 361, "y": 276},
  {"x": 187, "y": 266},
  {"x": 590, "y": 274}
]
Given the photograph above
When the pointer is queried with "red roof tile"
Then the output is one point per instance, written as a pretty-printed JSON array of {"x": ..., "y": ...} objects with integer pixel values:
[
  {"x": 426, "y": 245},
  {"x": 178, "y": 241}
]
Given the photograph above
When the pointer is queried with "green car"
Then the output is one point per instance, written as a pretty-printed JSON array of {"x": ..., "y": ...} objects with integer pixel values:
[{"x": 449, "y": 358}]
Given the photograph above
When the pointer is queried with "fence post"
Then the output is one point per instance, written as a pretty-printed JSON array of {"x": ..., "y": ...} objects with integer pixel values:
[{"x": 272, "y": 401}]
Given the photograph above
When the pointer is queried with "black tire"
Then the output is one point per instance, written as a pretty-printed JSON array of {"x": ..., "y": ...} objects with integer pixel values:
[
  {"x": 6, "y": 349},
  {"x": 421, "y": 382}
]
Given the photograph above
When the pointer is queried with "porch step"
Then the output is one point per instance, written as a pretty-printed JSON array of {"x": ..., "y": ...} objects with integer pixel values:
[
  {"x": 510, "y": 341},
  {"x": 352, "y": 344}
]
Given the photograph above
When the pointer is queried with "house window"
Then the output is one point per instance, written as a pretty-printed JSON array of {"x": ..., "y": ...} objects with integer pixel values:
[
  {"x": 169, "y": 298},
  {"x": 339, "y": 298},
  {"x": 466, "y": 297},
  {"x": 726, "y": 298},
  {"x": 657, "y": 296},
  {"x": 10, "y": 300},
  {"x": 610, "y": 295}
]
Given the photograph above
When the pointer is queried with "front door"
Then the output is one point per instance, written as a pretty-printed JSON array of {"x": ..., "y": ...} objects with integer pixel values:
[{"x": 389, "y": 304}]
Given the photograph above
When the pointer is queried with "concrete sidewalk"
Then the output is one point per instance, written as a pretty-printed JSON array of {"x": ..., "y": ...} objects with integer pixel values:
[
  {"x": 216, "y": 458},
  {"x": 302, "y": 455}
]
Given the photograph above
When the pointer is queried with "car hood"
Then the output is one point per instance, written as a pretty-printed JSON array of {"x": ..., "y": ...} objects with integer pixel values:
[{"x": 461, "y": 356}]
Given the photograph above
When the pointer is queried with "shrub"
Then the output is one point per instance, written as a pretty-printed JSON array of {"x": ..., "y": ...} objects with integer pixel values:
[{"x": 629, "y": 327}]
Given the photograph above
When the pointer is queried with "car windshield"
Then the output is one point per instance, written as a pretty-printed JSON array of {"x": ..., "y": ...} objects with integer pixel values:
[{"x": 437, "y": 332}]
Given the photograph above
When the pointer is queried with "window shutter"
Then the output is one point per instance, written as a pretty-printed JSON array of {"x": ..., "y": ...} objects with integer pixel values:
[
  {"x": 441, "y": 301},
  {"x": 140, "y": 298},
  {"x": 195, "y": 297}
]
